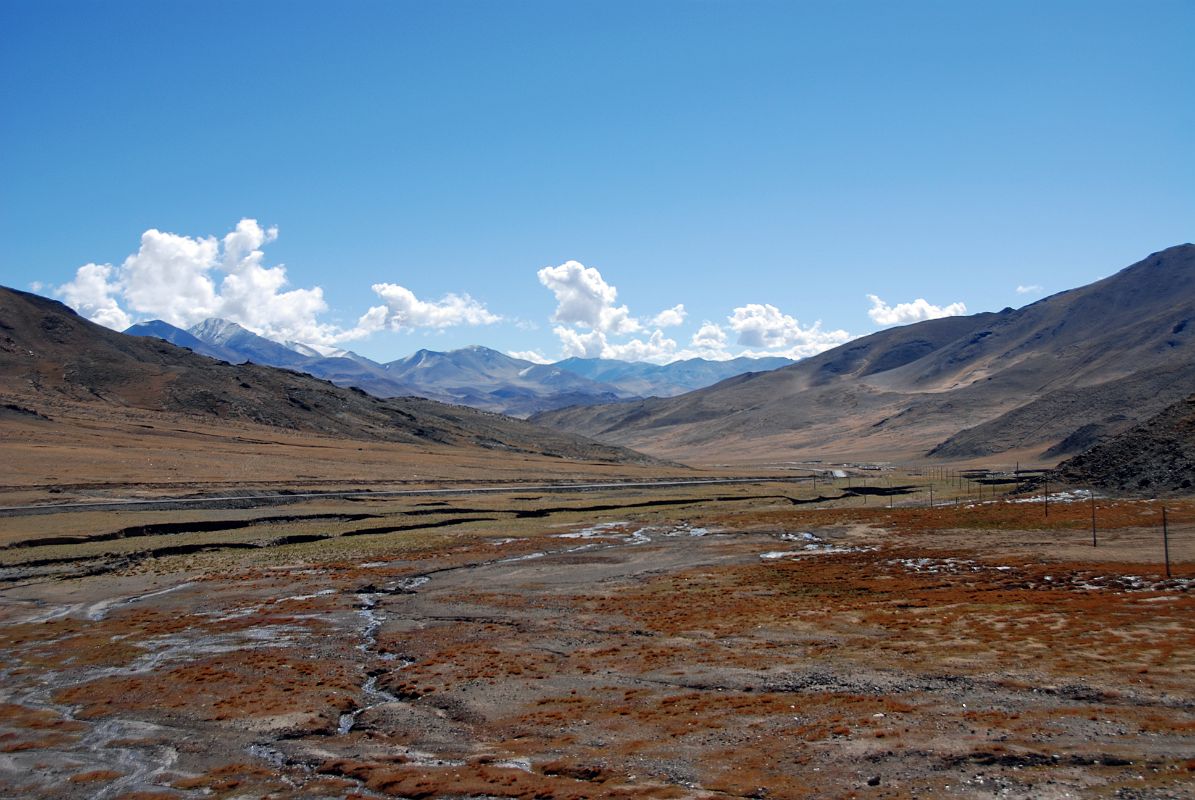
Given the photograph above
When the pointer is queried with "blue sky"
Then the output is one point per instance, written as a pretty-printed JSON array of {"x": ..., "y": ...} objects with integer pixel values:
[{"x": 551, "y": 177}]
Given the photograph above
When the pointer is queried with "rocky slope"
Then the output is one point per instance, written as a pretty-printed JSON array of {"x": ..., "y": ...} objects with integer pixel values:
[{"x": 1157, "y": 456}]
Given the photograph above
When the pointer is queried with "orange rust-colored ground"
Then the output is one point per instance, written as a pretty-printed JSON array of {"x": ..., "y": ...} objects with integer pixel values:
[{"x": 947, "y": 652}]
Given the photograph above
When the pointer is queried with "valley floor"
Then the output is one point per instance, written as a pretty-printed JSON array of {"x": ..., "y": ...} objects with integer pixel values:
[{"x": 659, "y": 642}]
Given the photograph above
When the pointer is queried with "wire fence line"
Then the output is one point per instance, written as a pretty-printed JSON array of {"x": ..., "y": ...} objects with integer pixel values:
[{"x": 1098, "y": 515}]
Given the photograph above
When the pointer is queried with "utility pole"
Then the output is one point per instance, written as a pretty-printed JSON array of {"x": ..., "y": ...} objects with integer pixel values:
[
  {"x": 1091, "y": 493},
  {"x": 1165, "y": 542},
  {"x": 1046, "y": 495}
]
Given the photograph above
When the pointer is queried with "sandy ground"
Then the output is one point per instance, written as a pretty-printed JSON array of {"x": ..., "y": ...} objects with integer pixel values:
[{"x": 696, "y": 647}]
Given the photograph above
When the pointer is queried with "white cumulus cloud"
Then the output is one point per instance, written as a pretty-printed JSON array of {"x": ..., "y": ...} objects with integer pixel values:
[
  {"x": 581, "y": 345},
  {"x": 91, "y": 294},
  {"x": 185, "y": 280},
  {"x": 403, "y": 310},
  {"x": 590, "y": 323},
  {"x": 768, "y": 331},
  {"x": 657, "y": 348},
  {"x": 916, "y": 311},
  {"x": 534, "y": 356},
  {"x": 584, "y": 299},
  {"x": 710, "y": 342},
  {"x": 669, "y": 317},
  {"x": 1031, "y": 289},
  {"x": 170, "y": 277}
]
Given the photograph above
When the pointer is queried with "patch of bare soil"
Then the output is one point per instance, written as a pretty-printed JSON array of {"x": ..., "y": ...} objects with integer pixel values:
[{"x": 763, "y": 650}]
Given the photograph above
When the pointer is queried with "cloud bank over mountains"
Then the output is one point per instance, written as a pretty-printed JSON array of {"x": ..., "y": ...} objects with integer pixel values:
[
  {"x": 764, "y": 329},
  {"x": 405, "y": 311},
  {"x": 185, "y": 280},
  {"x": 589, "y": 323},
  {"x": 587, "y": 318}
]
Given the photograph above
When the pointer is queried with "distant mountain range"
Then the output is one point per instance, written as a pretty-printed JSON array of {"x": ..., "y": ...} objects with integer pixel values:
[
  {"x": 51, "y": 358},
  {"x": 667, "y": 380},
  {"x": 472, "y": 376},
  {"x": 1033, "y": 384}
]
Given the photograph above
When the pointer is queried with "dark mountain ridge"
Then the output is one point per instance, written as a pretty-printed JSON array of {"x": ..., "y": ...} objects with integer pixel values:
[
  {"x": 1154, "y": 457},
  {"x": 164, "y": 330}
]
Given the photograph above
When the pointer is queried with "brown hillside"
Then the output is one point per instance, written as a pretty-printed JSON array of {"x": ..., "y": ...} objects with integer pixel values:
[{"x": 1105, "y": 355}]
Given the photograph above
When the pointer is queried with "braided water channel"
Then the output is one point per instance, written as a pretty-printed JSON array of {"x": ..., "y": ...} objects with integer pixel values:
[
  {"x": 370, "y": 693},
  {"x": 602, "y": 536}
]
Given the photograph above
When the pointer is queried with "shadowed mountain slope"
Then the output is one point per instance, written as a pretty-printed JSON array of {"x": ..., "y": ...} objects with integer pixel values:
[
  {"x": 1027, "y": 380},
  {"x": 1157, "y": 456},
  {"x": 164, "y": 330},
  {"x": 246, "y": 344},
  {"x": 49, "y": 355},
  {"x": 230, "y": 342}
]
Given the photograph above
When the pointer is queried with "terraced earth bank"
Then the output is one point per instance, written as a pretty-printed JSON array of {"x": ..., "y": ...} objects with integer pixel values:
[{"x": 696, "y": 643}]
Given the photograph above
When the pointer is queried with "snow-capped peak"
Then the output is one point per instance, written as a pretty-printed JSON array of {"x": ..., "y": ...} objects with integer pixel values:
[
  {"x": 215, "y": 330},
  {"x": 317, "y": 350}
]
